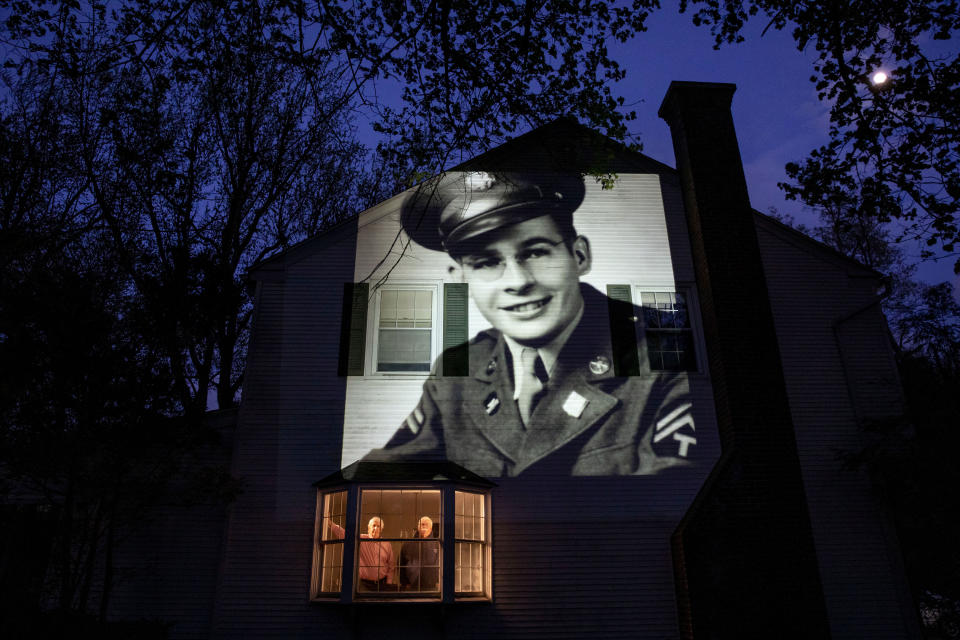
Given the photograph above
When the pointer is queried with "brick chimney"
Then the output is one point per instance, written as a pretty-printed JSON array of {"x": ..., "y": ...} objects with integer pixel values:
[{"x": 744, "y": 554}]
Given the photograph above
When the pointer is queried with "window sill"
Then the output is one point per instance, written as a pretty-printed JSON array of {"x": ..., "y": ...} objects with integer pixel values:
[{"x": 335, "y": 600}]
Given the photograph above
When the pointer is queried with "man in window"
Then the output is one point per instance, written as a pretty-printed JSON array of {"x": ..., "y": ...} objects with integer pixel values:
[
  {"x": 420, "y": 560},
  {"x": 541, "y": 394},
  {"x": 375, "y": 568}
]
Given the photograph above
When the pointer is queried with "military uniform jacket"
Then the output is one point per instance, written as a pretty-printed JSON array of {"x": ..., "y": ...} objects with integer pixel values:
[{"x": 588, "y": 420}]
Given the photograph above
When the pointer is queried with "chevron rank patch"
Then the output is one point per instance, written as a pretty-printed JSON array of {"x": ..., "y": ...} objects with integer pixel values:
[
  {"x": 672, "y": 425},
  {"x": 415, "y": 420}
]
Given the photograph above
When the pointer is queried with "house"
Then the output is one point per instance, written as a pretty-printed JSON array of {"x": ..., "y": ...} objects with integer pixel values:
[{"x": 739, "y": 522}]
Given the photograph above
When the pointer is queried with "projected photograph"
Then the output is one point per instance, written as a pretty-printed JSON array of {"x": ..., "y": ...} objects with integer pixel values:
[{"x": 529, "y": 323}]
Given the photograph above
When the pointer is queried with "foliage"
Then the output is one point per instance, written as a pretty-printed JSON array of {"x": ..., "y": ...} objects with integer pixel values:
[
  {"x": 88, "y": 400},
  {"x": 894, "y": 150},
  {"x": 198, "y": 147},
  {"x": 472, "y": 74},
  {"x": 913, "y": 459}
]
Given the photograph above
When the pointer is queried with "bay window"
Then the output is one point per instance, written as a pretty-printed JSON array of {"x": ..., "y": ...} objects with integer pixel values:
[{"x": 412, "y": 540}]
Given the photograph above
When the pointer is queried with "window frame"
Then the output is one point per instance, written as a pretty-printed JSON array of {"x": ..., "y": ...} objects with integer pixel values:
[
  {"x": 436, "y": 326},
  {"x": 486, "y": 551},
  {"x": 354, "y": 526},
  {"x": 361, "y": 526},
  {"x": 693, "y": 312},
  {"x": 320, "y": 544}
]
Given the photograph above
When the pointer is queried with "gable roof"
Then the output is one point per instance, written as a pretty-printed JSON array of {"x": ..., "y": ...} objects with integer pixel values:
[{"x": 563, "y": 145}]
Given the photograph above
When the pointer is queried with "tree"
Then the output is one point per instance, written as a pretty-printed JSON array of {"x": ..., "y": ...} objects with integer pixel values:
[
  {"x": 88, "y": 427},
  {"x": 199, "y": 154},
  {"x": 212, "y": 134},
  {"x": 894, "y": 150}
]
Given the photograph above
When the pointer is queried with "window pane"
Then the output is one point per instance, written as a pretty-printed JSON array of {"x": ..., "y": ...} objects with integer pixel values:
[
  {"x": 405, "y": 307},
  {"x": 332, "y": 567},
  {"x": 420, "y": 565},
  {"x": 671, "y": 362},
  {"x": 369, "y": 505},
  {"x": 333, "y": 516},
  {"x": 430, "y": 504},
  {"x": 405, "y": 350},
  {"x": 469, "y": 567},
  {"x": 665, "y": 308},
  {"x": 388, "y": 308},
  {"x": 476, "y": 563},
  {"x": 424, "y": 307},
  {"x": 682, "y": 317},
  {"x": 409, "y": 517},
  {"x": 391, "y": 503},
  {"x": 650, "y": 316},
  {"x": 478, "y": 505}
]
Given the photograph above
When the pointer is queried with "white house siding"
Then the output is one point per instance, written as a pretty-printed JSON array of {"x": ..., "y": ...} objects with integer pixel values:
[
  {"x": 810, "y": 291},
  {"x": 288, "y": 436}
]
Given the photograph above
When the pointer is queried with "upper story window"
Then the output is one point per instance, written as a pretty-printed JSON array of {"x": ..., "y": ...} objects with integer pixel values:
[
  {"x": 429, "y": 543},
  {"x": 404, "y": 334},
  {"x": 669, "y": 338},
  {"x": 405, "y": 329}
]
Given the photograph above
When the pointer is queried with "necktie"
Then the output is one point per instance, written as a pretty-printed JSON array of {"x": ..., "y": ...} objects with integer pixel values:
[{"x": 532, "y": 376}]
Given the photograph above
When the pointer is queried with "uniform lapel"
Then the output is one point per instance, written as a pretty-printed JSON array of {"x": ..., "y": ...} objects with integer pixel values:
[
  {"x": 574, "y": 400},
  {"x": 489, "y": 403}
]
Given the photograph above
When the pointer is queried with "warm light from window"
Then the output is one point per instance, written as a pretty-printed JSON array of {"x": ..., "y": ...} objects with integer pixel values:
[{"x": 879, "y": 78}]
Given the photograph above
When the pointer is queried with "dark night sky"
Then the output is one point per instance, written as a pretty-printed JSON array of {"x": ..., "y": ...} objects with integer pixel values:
[{"x": 775, "y": 109}]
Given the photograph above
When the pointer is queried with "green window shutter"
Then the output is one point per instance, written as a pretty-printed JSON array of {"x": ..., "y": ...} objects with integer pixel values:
[
  {"x": 455, "y": 329},
  {"x": 623, "y": 332},
  {"x": 353, "y": 328}
]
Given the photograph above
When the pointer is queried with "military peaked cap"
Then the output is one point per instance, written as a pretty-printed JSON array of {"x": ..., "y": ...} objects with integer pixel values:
[{"x": 460, "y": 205}]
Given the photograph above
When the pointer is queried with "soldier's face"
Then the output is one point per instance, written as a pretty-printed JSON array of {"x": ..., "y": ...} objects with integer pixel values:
[{"x": 525, "y": 280}]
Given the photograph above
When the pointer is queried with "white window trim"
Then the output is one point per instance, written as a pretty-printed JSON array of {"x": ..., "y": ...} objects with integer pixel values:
[
  {"x": 349, "y": 581},
  {"x": 693, "y": 305},
  {"x": 373, "y": 327}
]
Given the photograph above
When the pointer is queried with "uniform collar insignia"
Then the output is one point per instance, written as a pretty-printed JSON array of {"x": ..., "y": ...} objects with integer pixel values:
[{"x": 599, "y": 365}]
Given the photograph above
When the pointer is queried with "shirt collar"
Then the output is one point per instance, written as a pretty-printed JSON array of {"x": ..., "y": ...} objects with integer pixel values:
[{"x": 548, "y": 352}]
